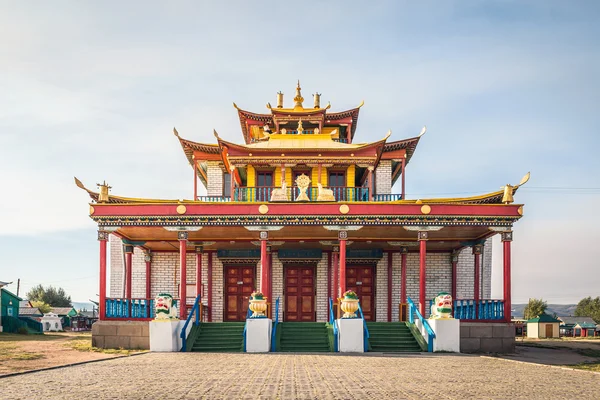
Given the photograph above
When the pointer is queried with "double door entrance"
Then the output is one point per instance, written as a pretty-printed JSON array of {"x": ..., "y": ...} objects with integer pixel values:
[
  {"x": 361, "y": 279},
  {"x": 299, "y": 294},
  {"x": 239, "y": 284}
]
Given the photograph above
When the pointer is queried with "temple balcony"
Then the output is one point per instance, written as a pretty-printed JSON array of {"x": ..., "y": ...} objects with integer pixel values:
[{"x": 275, "y": 193}]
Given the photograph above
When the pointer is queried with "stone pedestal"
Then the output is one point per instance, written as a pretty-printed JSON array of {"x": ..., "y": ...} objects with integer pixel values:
[
  {"x": 258, "y": 335},
  {"x": 351, "y": 335},
  {"x": 164, "y": 335},
  {"x": 447, "y": 334}
]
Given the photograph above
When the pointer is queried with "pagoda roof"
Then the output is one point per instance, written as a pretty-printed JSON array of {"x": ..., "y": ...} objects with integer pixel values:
[
  {"x": 409, "y": 145},
  {"x": 310, "y": 142},
  {"x": 189, "y": 147},
  {"x": 268, "y": 119}
]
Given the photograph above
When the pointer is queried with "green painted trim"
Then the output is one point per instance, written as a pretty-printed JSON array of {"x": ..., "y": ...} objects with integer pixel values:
[
  {"x": 417, "y": 335},
  {"x": 192, "y": 337},
  {"x": 132, "y": 242}
]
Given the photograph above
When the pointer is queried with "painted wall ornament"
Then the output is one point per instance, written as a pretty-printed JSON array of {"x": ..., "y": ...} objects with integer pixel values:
[
  {"x": 164, "y": 307},
  {"x": 302, "y": 182},
  {"x": 441, "y": 308}
]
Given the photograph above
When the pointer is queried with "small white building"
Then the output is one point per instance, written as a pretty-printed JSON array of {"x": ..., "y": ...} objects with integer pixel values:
[
  {"x": 543, "y": 326},
  {"x": 51, "y": 322}
]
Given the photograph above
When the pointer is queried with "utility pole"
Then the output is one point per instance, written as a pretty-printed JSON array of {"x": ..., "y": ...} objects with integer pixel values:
[{"x": 18, "y": 286}]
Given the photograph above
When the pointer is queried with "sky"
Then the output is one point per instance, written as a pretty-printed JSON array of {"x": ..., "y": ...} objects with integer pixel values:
[{"x": 94, "y": 89}]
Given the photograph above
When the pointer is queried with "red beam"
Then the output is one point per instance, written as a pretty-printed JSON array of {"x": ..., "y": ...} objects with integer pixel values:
[
  {"x": 148, "y": 278},
  {"x": 342, "y": 266},
  {"x": 389, "y": 286},
  {"x": 128, "y": 271},
  {"x": 422, "y": 272},
  {"x": 329, "y": 272},
  {"x": 183, "y": 278},
  {"x": 336, "y": 289},
  {"x": 506, "y": 242},
  {"x": 102, "y": 238},
  {"x": 198, "y": 272},
  {"x": 209, "y": 284},
  {"x": 306, "y": 209}
]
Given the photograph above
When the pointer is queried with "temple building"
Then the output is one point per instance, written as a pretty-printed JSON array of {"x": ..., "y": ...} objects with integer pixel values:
[{"x": 302, "y": 211}]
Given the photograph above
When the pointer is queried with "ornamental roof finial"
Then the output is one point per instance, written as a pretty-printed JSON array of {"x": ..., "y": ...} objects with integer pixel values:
[
  {"x": 298, "y": 99},
  {"x": 103, "y": 196}
]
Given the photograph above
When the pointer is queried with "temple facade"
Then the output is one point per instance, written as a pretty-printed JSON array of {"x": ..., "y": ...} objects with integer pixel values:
[{"x": 302, "y": 212}]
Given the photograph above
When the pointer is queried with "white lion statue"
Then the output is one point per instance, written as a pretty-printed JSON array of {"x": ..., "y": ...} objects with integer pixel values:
[
  {"x": 163, "y": 307},
  {"x": 441, "y": 308}
]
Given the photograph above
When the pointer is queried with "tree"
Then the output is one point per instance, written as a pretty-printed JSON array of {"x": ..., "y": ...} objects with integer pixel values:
[
  {"x": 534, "y": 308},
  {"x": 43, "y": 307},
  {"x": 51, "y": 296},
  {"x": 589, "y": 307}
]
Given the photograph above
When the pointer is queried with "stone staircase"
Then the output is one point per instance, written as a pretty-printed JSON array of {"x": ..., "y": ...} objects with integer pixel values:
[
  {"x": 219, "y": 337},
  {"x": 391, "y": 337},
  {"x": 303, "y": 337}
]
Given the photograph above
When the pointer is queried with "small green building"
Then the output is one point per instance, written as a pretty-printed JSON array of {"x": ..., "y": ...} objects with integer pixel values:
[
  {"x": 543, "y": 326},
  {"x": 9, "y": 304}
]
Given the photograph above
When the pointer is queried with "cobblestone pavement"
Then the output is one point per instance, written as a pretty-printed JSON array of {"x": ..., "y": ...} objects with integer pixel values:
[{"x": 287, "y": 376}]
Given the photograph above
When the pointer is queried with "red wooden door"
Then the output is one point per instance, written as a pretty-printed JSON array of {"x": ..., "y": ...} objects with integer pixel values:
[
  {"x": 239, "y": 284},
  {"x": 299, "y": 294},
  {"x": 361, "y": 279}
]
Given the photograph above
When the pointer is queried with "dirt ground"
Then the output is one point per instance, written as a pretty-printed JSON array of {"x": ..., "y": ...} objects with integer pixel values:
[
  {"x": 593, "y": 344},
  {"x": 575, "y": 353},
  {"x": 26, "y": 352}
]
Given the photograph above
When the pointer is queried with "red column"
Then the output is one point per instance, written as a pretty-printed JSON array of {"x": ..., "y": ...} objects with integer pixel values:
[
  {"x": 389, "y": 286},
  {"x": 209, "y": 285},
  {"x": 198, "y": 270},
  {"x": 454, "y": 259},
  {"x": 148, "y": 260},
  {"x": 403, "y": 181},
  {"x": 102, "y": 238},
  {"x": 264, "y": 265},
  {"x": 422, "y": 271},
  {"x": 231, "y": 182},
  {"x": 128, "y": 271},
  {"x": 342, "y": 236},
  {"x": 182, "y": 236},
  {"x": 506, "y": 241},
  {"x": 329, "y": 273},
  {"x": 336, "y": 289},
  {"x": 269, "y": 288},
  {"x": 477, "y": 278},
  {"x": 370, "y": 178},
  {"x": 404, "y": 254},
  {"x": 195, "y": 180}
]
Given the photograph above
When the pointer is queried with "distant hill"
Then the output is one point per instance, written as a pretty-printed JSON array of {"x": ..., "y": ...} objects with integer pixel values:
[{"x": 561, "y": 310}]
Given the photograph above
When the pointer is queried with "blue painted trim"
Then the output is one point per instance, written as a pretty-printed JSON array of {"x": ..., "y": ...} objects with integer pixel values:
[
  {"x": 412, "y": 308},
  {"x": 275, "y": 323},
  {"x": 195, "y": 310}
]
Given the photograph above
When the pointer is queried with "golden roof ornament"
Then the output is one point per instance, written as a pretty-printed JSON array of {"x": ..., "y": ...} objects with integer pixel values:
[
  {"x": 279, "y": 99},
  {"x": 300, "y": 127},
  {"x": 509, "y": 190},
  {"x": 298, "y": 99},
  {"x": 103, "y": 195},
  {"x": 317, "y": 98}
]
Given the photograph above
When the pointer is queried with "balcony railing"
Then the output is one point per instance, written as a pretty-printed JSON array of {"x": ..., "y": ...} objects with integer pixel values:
[
  {"x": 481, "y": 310},
  {"x": 252, "y": 194}
]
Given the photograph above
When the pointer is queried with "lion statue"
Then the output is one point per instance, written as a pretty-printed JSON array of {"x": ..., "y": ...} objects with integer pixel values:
[
  {"x": 164, "y": 307},
  {"x": 441, "y": 308}
]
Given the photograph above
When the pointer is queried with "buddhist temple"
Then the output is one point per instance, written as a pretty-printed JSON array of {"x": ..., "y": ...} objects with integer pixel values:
[{"x": 302, "y": 210}]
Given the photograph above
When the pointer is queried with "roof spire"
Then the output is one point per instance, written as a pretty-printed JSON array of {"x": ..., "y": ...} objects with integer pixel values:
[{"x": 298, "y": 99}]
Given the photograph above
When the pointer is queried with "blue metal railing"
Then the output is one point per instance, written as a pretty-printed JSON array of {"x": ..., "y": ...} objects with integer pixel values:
[
  {"x": 258, "y": 194},
  {"x": 275, "y": 323},
  {"x": 412, "y": 308},
  {"x": 366, "y": 335},
  {"x": 340, "y": 140},
  {"x": 214, "y": 199},
  {"x": 130, "y": 309},
  {"x": 333, "y": 322},
  {"x": 387, "y": 197},
  {"x": 248, "y": 316},
  {"x": 483, "y": 310},
  {"x": 195, "y": 310}
]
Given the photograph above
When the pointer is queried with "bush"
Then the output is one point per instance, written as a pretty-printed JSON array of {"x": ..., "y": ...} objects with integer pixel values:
[{"x": 22, "y": 331}]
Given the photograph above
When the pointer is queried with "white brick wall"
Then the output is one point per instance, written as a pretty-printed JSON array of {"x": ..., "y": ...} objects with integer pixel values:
[
  {"x": 383, "y": 177},
  {"x": 214, "y": 173}
]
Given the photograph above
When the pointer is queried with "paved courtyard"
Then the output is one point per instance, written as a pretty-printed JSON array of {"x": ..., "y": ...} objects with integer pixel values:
[{"x": 272, "y": 376}]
